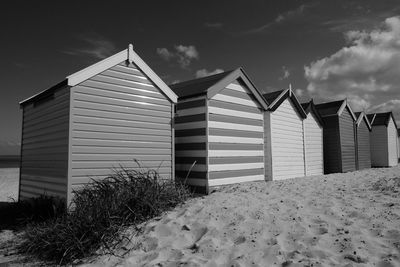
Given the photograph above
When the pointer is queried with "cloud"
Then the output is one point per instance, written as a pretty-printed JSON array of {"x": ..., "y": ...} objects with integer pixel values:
[
  {"x": 366, "y": 71},
  {"x": 203, "y": 72},
  {"x": 213, "y": 25},
  {"x": 164, "y": 53},
  {"x": 281, "y": 18},
  {"x": 95, "y": 46},
  {"x": 285, "y": 73},
  {"x": 184, "y": 55}
]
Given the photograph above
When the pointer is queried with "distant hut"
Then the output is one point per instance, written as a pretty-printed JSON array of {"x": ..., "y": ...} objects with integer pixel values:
[
  {"x": 283, "y": 130},
  {"x": 313, "y": 140},
  {"x": 339, "y": 141},
  {"x": 219, "y": 130},
  {"x": 96, "y": 119},
  {"x": 384, "y": 140},
  {"x": 398, "y": 143},
  {"x": 363, "y": 129}
]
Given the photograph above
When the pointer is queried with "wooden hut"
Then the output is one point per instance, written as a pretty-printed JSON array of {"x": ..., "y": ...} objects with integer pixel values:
[
  {"x": 384, "y": 140},
  {"x": 219, "y": 130},
  {"x": 284, "y": 141},
  {"x": 96, "y": 119},
  {"x": 339, "y": 136},
  {"x": 363, "y": 129},
  {"x": 313, "y": 140}
]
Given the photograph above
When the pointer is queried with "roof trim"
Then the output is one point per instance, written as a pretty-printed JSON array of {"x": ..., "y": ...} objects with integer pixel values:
[
  {"x": 234, "y": 75},
  {"x": 288, "y": 93},
  {"x": 362, "y": 116},
  {"x": 126, "y": 54},
  {"x": 311, "y": 108},
  {"x": 344, "y": 105}
]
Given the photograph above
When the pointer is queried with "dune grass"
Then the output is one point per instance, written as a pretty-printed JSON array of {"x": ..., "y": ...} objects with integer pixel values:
[{"x": 99, "y": 211}]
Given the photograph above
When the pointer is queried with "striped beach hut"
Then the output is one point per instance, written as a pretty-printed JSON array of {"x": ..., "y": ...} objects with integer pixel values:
[
  {"x": 284, "y": 141},
  {"x": 339, "y": 136},
  {"x": 219, "y": 129},
  {"x": 313, "y": 140},
  {"x": 363, "y": 129},
  {"x": 384, "y": 140},
  {"x": 96, "y": 119}
]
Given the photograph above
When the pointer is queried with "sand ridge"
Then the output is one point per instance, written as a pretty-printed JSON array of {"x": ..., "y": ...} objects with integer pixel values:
[{"x": 350, "y": 219}]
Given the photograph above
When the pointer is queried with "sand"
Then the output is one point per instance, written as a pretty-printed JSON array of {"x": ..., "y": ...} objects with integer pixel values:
[
  {"x": 348, "y": 219},
  {"x": 9, "y": 179}
]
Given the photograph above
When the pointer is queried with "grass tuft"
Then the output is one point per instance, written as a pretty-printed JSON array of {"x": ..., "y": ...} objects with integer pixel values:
[{"x": 100, "y": 210}]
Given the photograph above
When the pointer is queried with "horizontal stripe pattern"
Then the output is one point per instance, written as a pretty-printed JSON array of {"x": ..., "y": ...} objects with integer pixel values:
[
  {"x": 119, "y": 116},
  {"x": 236, "y": 140},
  {"x": 191, "y": 141}
]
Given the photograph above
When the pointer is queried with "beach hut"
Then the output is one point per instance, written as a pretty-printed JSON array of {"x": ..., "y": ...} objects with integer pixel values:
[
  {"x": 384, "y": 140},
  {"x": 219, "y": 130},
  {"x": 313, "y": 140},
  {"x": 96, "y": 119},
  {"x": 363, "y": 129},
  {"x": 339, "y": 136},
  {"x": 284, "y": 141}
]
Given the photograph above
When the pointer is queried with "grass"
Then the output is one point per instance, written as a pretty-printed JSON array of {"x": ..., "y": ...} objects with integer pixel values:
[{"x": 100, "y": 210}]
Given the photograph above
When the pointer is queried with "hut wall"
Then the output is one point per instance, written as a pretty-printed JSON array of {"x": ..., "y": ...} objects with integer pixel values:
[
  {"x": 44, "y": 151},
  {"x": 379, "y": 146},
  {"x": 332, "y": 149},
  {"x": 287, "y": 144},
  {"x": 191, "y": 142},
  {"x": 235, "y": 137},
  {"x": 313, "y": 146},
  {"x": 347, "y": 141},
  {"x": 392, "y": 143},
  {"x": 119, "y": 116},
  {"x": 363, "y": 147}
]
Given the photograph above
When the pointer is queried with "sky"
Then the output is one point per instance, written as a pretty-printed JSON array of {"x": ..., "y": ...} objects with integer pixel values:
[{"x": 327, "y": 50}]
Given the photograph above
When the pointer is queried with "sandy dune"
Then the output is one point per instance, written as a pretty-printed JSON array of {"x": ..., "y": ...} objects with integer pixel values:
[{"x": 348, "y": 219}]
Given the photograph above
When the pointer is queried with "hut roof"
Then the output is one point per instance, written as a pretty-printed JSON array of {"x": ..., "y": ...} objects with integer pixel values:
[
  {"x": 276, "y": 98},
  {"x": 82, "y": 75},
  {"x": 212, "y": 85}
]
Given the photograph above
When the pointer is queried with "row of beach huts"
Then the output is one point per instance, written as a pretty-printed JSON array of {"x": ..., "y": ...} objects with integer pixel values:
[{"x": 220, "y": 129}]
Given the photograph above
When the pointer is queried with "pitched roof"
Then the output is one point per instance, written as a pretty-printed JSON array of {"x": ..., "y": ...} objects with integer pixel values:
[
  {"x": 309, "y": 107},
  {"x": 334, "y": 108},
  {"x": 212, "y": 85},
  {"x": 362, "y": 116},
  {"x": 382, "y": 118},
  {"x": 82, "y": 75},
  {"x": 198, "y": 86},
  {"x": 275, "y": 99},
  {"x": 371, "y": 117}
]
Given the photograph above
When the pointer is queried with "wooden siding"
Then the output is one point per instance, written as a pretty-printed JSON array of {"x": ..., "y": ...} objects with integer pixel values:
[
  {"x": 287, "y": 143},
  {"x": 44, "y": 152},
  {"x": 392, "y": 143},
  {"x": 313, "y": 146},
  {"x": 191, "y": 141},
  {"x": 117, "y": 116},
  {"x": 379, "y": 146},
  {"x": 363, "y": 148},
  {"x": 347, "y": 141},
  {"x": 332, "y": 149},
  {"x": 235, "y": 137}
]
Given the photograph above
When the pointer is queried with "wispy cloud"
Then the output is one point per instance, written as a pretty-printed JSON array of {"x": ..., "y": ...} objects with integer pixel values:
[
  {"x": 281, "y": 18},
  {"x": 94, "y": 46},
  {"x": 204, "y": 72},
  {"x": 366, "y": 71},
  {"x": 285, "y": 73},
  {"x": 213, "y": 25},
  {"x": 184, "y": 55}
]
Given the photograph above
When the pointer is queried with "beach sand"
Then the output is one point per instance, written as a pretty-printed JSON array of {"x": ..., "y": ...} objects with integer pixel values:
[
  {"x": 350, "y": 219},
  {"x": 9, "y": 179}
]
